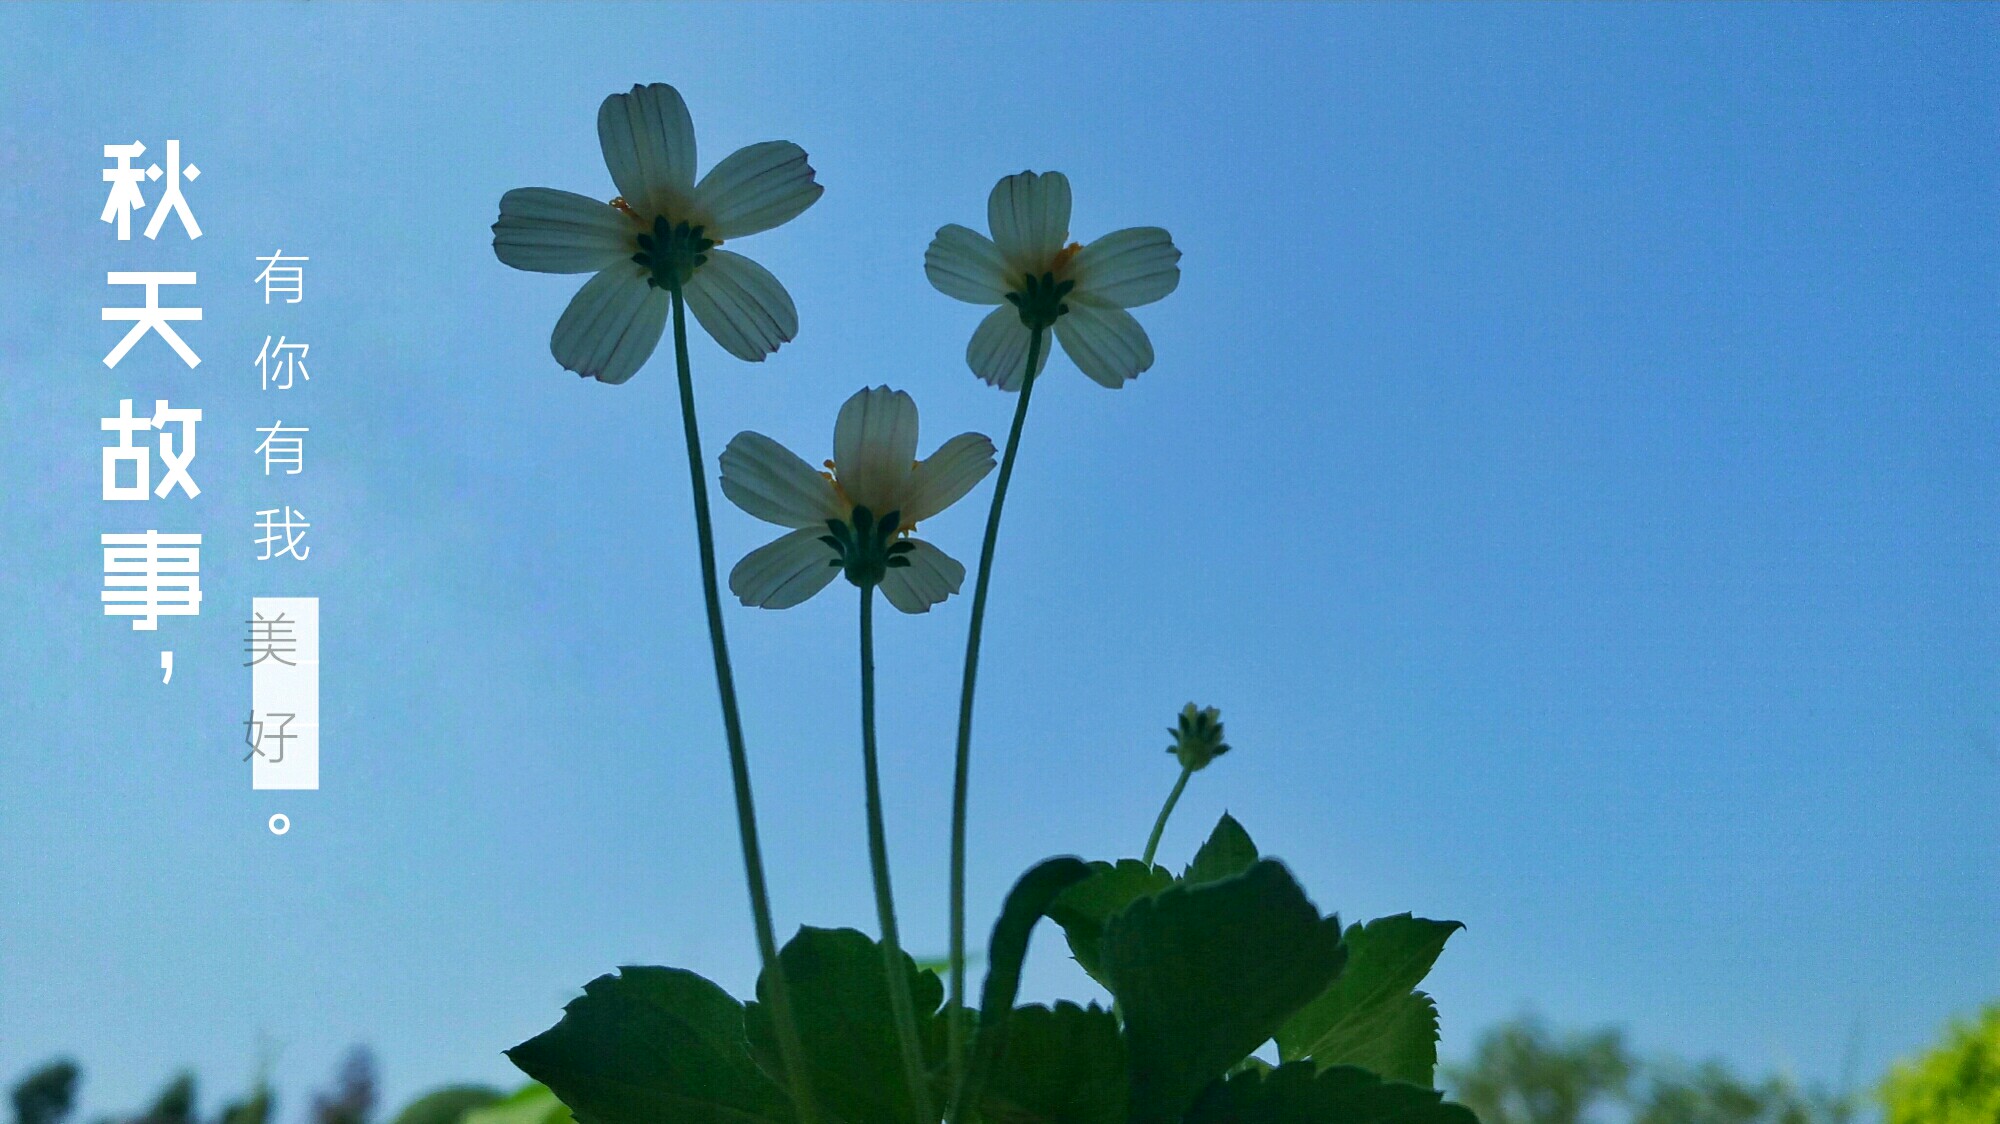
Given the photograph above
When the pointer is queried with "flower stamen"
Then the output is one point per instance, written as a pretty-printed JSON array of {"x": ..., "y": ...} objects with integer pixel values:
[{"x": 833, "y": 477}]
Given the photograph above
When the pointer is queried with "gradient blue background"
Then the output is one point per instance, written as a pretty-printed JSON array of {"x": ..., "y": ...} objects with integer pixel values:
[{"x": 1570, "y": 466}]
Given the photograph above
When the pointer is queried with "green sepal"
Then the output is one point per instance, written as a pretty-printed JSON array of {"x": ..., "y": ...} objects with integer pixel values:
[
  {"x": 671, "y": 253},
  {"x": 1039, "y": 300},
  {"x": 1371, "y": 1016},
  {"x": 1204, "y": 974},
  {"x": 1298, "y": 1094},
  {"x": 1197, "y": 736},
  {"x": 840, "y": 1001},
  {"x": 652, "y": 1044}
]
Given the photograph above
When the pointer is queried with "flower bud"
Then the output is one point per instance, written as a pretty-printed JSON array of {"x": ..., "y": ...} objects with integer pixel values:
[{"x": 1197, "y": 737}]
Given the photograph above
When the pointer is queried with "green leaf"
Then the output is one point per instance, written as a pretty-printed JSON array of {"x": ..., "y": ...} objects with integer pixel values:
[
  {"x": 1060, "y": 1065},
  {"x": 1370, "y": 1016},
  {"x": 1205, "y": 974},
  {"x": 1295, "y": 1094},
  {"x": 942, "y": 964},
  {"x": 532, "y": 1103},
  {"x": 840, "y": 1000},
  {"x": 450, "y": 1104},
  {"x": 1025, "y": 905},
  {"x": 1228, "y": 853},
  {"x": 1400, "y": 1043},
  {"x": 652, "y": 1044},
  {"x": 1253, "y": 1062},
  {"x": 1083, "y": 909}
]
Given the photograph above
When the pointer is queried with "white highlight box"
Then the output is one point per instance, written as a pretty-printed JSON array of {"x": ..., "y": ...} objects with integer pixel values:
[{"x": 283, "y": 654}]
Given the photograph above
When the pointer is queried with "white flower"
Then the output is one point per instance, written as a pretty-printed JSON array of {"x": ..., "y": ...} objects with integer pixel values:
[
  {"x": 663, "y": 225},
  {"x": 1034, "y": 273},
  {"x": 856, "y": 517}
]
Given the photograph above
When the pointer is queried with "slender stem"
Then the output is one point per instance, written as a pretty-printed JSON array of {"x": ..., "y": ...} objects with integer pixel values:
[
  {"x": 789, "y": 1046},
  {"x": 898, "y": 977},
  {"x": 1167, "y": 809},
  {"x": 956, "y": 1024}
]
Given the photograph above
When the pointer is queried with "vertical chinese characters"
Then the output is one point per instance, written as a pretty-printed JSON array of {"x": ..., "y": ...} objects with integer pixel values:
[
  {"x": 282, "y": 731},
  {"x": 281, "y": 530},
  {"x": 150, "y": 574}
]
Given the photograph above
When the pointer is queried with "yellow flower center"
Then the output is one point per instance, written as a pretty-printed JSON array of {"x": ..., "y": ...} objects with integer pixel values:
[{"x": 1062, "y": 259}]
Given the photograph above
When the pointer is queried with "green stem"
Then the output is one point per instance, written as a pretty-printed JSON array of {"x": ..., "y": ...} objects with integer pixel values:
[
  {"x": 789, "y": 1046},
  {"x": 956, "y": 1023},
  {"x": 897, "y": 975},
  {"x": 1167, "y": 809}
]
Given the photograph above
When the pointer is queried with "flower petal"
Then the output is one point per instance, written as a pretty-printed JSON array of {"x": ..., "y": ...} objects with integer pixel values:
[
  {"x": 1127, "y": 268},
  {"x": 742, "y": 306},
  {"x": 648, "y": 142},
  {"x": 770, "y": 482},
  {"x": 1029, "y": 217},
  {"x": 874, "y": 445},
  {"x": 550, "y": 231},
  {"x": 1105, "y": 343},
  {"x": 931, "y": 576},
  {"x": 998, "y": 352},
  {"x": 943, "y": 478},
  {"x": 611, "y": 326},
  {"x": 784, "y": 571},
  {"x": 965, "y": 265},
  {"x": 756, "y": 188}
]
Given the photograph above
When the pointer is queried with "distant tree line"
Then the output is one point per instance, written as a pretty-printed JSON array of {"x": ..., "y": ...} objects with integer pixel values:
[
  {"x": 47, "y": 1095},
  {"x": 1521, "y": 1072}
]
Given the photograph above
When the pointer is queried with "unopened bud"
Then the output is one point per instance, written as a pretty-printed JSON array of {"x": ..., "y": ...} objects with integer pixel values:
[{"x": 1197, "y": 737}]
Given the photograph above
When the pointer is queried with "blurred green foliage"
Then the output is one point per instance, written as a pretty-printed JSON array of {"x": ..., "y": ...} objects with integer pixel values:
[
  {"x": 1521, "y": 1072},
  {"x": 47, "y": 1094},
  {"x": 530, "y": 1104},
  {"x": 1955, "y": 1082},
  {"x": 448, "y": 1105}
]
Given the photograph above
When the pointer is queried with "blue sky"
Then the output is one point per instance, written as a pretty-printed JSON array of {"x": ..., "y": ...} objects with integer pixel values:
[{"x": 1570, "y": 465}]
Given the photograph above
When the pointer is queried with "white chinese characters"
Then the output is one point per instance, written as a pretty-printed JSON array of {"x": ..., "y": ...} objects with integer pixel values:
[
  {"x": 283, "y": 280},
  {"x": 279, "y": 364},
  {"x": 174, "y": 455},
  {"x": 282, "y": 531},
  {"x": 150, "y": 575},
  {"x": 283, "y": 447},
  {"x": 151, "y": 317},
  {"x": 127, "y": 192}
]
